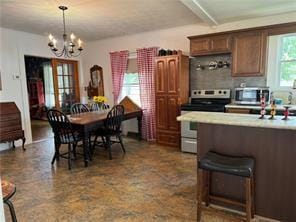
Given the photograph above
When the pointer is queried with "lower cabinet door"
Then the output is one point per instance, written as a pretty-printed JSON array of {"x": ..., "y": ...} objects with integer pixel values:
[
  {"x": 168, "y": 138},
  {"x": 173, "y": 111},
  {"x": 161, "y": 112}
]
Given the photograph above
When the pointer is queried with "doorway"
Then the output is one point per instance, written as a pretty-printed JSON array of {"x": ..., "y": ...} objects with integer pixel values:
[{"x": 52, "y": 84}]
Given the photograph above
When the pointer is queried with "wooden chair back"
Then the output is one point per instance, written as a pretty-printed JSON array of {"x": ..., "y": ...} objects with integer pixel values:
[
  {"x": 61, "y": 126},
  {"x": 78, "y": 108},
  {"x": 114, "y": 118}
]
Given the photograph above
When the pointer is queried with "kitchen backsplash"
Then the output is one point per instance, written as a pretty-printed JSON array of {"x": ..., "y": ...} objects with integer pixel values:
[{"x": 220, "y": 77}]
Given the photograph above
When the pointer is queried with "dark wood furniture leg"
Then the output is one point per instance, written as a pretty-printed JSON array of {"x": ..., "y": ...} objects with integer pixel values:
[
  {"x": 248, "y": 199},
  {"x": 13, "y": 145},
  {"x": 56, "y": 155},
  {"x": 108, "y": 145},
  {"x": 85, "y": 148},
  {"x": 208, "y": 187},
  {"x": 24, "y": 141},
  {"x": 11, "y": 209},
  {"x": 121, "y": 143},
  {"x": 69, "y": 156},
  {"x": 253, "y": 196},
  {"x": 139, "y": 118},
  {"x": 199, "y": 193}
]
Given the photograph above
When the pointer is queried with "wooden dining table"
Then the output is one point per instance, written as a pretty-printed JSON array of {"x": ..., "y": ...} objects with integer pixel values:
[{"x": 88, "y": 122}]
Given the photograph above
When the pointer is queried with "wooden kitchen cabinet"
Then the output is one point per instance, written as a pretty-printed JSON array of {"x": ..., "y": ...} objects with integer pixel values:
[
  {"x": 210, "y": 45},
  {"x": 249, "y": 53},
  {"x": 171, "y": 90}
]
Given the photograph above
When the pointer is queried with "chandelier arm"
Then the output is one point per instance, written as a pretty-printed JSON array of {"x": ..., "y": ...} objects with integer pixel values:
[
  {"x": 59, "y": 54},
  {"x": 76, "y": 55}
]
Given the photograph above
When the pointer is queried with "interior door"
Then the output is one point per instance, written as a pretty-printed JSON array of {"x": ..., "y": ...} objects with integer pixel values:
[{"x": 66, "y": 83}]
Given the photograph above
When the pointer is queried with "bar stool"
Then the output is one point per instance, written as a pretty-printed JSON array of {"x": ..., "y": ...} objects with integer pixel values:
[
  {"x": 8, "y": 190},
  {"x": 237, "y": 166}
]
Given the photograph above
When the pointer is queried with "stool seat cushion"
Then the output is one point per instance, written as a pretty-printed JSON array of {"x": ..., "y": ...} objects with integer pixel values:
[
  {"x": 238, "y": 166},
  {"x": 8, "y": 189}
]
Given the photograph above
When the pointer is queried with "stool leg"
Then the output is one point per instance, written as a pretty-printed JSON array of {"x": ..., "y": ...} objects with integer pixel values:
[
  {"x": 199, "y": 193},
  {"x": 253, "y": 197},
  {"x": 11, "y": 209},
  {"x": 208, "y": 187},
  {"x": 248, "y": 199}
]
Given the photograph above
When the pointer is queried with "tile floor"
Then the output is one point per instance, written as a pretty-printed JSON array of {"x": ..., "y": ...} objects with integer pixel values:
[{"x": 149, "y": 183}]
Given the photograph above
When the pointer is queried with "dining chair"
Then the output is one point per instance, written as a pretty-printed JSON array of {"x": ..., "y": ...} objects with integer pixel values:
[
  {"x": 78, "y": 108},
  {"x": 112, "y": 128},
  {"x": 97, "y": 107},
  {"x": 63, "y": 134}
]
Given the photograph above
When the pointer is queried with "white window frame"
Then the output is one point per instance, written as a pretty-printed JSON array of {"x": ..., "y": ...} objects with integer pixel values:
[
  {"x": 278, "y": 64},
  {"x": 120, "y": 98}
]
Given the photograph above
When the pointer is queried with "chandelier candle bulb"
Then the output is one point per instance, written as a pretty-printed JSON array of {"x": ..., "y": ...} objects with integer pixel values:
[
  {"x": 72, "y": 36},
  {"x": 50, "y": 37},
  {"x": 54, "y": 41}
]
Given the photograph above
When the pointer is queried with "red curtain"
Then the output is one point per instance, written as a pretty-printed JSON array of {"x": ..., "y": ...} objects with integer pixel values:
[
  {"x": 145, "y": 62},
  {"x": 118, "y": 68}
]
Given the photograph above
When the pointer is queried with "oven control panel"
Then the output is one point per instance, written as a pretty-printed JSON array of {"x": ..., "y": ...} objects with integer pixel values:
[{"x": 211, "y": 93}]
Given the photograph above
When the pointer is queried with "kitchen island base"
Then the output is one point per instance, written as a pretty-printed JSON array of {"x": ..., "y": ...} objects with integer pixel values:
[{"x": 274, "y": 151}]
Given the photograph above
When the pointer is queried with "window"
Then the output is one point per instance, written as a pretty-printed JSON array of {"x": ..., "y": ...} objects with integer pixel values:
[
  {"x": 131, "y": 87},
  {"x": 287, "y": 61}
]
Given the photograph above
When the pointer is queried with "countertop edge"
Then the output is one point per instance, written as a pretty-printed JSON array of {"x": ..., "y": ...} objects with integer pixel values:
[{"x": 247, "y": 120}]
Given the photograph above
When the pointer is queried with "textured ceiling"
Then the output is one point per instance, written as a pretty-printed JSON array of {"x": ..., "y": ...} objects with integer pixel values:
[
  {"x": 234, "y": 10},
  {"x": 98, "y": 19},
  {"x": 95, "y": 19}
]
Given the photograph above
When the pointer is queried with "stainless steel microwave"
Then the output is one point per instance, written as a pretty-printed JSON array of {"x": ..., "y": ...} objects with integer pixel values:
[{"x": 250, "y": 96}]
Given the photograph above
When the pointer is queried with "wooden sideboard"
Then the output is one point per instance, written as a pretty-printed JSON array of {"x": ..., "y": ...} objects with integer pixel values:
[{"x": 11, "y": 124}]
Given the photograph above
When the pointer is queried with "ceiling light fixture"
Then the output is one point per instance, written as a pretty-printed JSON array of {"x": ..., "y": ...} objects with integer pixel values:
[{"x": 69, "y": 45}]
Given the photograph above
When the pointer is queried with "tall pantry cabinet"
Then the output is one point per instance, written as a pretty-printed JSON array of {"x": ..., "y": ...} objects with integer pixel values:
[{"x": 172, "y": 90}]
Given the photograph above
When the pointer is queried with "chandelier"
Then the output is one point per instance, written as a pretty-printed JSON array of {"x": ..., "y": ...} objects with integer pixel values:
[{"x": 69, "y": 45}]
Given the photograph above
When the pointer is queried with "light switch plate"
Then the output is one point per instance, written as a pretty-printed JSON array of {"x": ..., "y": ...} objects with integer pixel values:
[{"x": 16, "y": 76}]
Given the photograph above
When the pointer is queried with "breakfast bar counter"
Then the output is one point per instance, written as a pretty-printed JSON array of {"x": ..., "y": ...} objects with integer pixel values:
[{"x": 273, "y": 145}]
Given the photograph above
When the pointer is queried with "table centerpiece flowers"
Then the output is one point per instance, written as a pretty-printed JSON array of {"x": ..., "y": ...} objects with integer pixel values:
[{"x": 100, "y": 101}]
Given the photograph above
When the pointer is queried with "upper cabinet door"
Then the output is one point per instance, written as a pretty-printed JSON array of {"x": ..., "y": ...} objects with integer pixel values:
[
  {"x": 249, "y": 53},
  {"x": 160, "y": 76},
  {"x": 199, "y": 46},
  {"x": 221, "y": 43},
  {"x": 173, "y": 75},
  {"x": 211, "y": 45}
]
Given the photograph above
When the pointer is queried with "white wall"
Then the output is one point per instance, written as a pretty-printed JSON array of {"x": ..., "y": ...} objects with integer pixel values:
[
  {"x": 14, "y": 46},
  {"x": 97, "y": 52}
]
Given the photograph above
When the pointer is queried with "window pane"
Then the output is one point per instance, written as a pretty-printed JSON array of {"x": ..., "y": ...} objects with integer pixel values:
[
  {"x": 66, "y": 69},
  {"x": 288, "y": 73},
  {"x": 131, "y": 78},
  {"x": 131, "y": 87},
  {"x": 60, "y": 69},
  {"x": 66, "y": 81},
  {"x": 288, "y": 47},
  {"x": 60, "y": 82}
]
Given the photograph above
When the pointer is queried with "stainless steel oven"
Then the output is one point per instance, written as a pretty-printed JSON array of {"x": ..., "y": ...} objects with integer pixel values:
[
  {"x": 188, "y": 135},
  {"x": 209, "y": 100}
]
